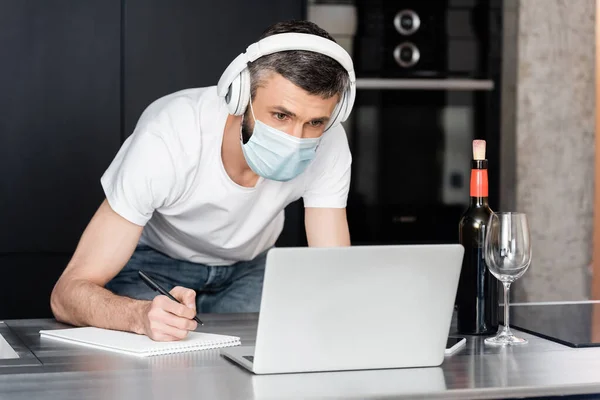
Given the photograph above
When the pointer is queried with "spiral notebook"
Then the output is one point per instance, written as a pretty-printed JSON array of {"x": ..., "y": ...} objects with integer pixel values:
[{"x": 138, "y": 345}]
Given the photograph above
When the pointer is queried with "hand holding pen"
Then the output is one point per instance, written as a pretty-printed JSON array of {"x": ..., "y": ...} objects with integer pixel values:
[{"x": 170, "y": 316}]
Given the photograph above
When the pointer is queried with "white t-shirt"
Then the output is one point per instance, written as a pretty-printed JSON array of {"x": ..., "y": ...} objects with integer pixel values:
[{"x": 169, "y": 177}]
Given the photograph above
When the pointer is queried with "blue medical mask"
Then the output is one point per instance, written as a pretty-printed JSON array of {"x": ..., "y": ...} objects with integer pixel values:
[{"x": 275, "y": 155}]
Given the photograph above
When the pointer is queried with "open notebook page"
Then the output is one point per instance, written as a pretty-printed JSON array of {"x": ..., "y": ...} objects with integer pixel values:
[{"x": 138, "y": 345}]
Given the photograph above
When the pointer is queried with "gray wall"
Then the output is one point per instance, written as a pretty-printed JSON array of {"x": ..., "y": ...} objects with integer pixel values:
[{"x": 548, "y": 142}]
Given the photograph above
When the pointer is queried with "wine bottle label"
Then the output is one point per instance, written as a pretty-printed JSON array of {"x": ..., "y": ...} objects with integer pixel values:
[{"x": 479, "y": 183}]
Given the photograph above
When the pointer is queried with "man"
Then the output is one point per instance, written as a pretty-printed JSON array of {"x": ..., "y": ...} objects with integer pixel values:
[{"x": 196, "y": 197}]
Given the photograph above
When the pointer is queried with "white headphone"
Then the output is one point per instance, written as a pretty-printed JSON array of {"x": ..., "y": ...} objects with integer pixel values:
[{"x": 234, "y": 84}]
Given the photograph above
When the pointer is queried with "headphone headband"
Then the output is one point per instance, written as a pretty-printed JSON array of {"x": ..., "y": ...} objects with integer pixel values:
[{"x": 234, "y": 83}]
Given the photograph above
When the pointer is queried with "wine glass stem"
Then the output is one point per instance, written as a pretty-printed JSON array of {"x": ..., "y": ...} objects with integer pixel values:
[{"x": 506, "y": 310}]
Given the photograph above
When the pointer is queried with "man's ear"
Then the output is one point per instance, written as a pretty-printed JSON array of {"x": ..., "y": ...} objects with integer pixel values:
[{"x": 245, "y": 128}]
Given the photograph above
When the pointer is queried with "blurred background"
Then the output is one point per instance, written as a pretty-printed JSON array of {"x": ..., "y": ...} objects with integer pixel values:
[{"x": 432, "y": 76}]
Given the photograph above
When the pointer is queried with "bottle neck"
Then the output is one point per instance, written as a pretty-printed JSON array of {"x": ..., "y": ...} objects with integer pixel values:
[
  {"x": 479, "y": 202},
  {"x": 479, "y": 183}
]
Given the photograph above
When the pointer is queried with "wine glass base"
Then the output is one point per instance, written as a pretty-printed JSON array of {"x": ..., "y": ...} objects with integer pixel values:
[{"x": 504, "y": 339}]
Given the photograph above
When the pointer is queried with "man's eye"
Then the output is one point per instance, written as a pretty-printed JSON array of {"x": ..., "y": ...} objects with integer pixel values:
[
  {"x": 316, "y": 124},
  {"x": 280, "y": 116}
]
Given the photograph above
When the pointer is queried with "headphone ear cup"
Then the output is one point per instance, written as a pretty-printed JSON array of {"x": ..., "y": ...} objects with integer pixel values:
[
  {"x": 244, "y": 97},
  {"x": 338, "y": 112},
  {"x": 335, "y": 117},
  {"x": 343, "y": 107},
  {"x": 233, "y": 96},
  {"x": 350, "y": 95}
]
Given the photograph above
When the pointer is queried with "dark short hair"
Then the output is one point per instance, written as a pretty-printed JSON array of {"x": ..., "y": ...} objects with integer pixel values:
[{"x": 316, "y": 73}]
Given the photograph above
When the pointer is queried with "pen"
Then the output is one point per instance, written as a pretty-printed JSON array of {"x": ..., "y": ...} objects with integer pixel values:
[{"x": 155, "y": 286}]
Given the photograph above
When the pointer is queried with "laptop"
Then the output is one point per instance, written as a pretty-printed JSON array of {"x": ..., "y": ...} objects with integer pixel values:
[{"x": 353, "y": 308}]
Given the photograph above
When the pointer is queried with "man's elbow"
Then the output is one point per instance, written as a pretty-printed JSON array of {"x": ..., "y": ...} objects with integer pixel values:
[{"x": 57, "y": 300}]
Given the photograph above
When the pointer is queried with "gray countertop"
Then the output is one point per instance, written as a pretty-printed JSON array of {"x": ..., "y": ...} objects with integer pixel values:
[{"x": 55, "y": 370}]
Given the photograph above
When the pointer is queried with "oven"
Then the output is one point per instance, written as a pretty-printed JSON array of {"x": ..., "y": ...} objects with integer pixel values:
[{"x": 428, "y": 83}]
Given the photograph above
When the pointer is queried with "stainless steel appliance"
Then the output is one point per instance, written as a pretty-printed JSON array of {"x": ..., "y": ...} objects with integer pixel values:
[{"x": 428, "y": 84}]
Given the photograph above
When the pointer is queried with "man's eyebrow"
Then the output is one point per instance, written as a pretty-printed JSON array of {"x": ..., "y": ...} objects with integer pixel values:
[
  {"x": 284, "y": 111},
  {"x": 291, "y": 114}
]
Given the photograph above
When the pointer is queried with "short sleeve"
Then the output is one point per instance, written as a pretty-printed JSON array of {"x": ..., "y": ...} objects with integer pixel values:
[
  {"x": 328, "y": 181},
  {"x": 141, "y": 178}
]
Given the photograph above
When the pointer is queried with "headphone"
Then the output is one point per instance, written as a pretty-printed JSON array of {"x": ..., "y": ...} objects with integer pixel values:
[{"x": 234, "y": 84}]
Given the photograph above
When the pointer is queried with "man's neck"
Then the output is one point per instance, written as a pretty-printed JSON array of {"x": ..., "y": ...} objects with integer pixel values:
[{"x": 232, "y": 155}]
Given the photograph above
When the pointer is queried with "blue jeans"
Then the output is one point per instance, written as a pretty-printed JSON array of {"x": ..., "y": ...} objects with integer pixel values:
[{"x": 233, "y": 288}]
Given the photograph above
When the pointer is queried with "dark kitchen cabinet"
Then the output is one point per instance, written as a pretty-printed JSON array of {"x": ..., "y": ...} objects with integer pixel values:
[
  {"x": 59, "y": 125},
  {"x": 27, "y": 281},
  {"x": 59, "y": 128}
]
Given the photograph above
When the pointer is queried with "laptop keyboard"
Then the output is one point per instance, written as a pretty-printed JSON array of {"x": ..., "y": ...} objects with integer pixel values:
[{"x": 249, "y": 358}]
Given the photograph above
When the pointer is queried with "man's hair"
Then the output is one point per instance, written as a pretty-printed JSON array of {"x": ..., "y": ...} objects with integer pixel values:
[{"x": 316, "y": 73}]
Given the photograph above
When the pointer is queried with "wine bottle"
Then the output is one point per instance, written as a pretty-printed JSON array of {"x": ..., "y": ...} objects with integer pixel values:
[{"x": 477, "y": 297}]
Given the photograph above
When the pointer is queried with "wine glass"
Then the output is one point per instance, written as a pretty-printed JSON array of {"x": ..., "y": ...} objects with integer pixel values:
[{"x": 507, "y": 251}]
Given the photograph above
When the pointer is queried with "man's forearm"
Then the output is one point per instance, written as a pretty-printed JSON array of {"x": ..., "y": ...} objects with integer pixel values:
[{"x": 83, "y": 303}]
